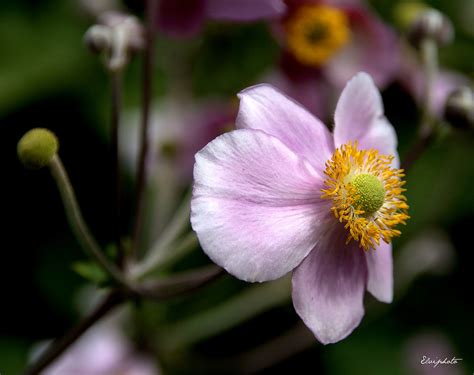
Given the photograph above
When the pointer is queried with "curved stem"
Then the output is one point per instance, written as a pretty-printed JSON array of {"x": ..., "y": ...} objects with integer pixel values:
[
  {"x": 78, "y": 225},
  {"x": 56, "y": 348},
  {"x": 150, "y": 12}
]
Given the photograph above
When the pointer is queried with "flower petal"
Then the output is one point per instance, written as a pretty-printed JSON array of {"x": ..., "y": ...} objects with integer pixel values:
[
  {"x": 256, "y": 206},
  {"x": 265, "y": 108},
  {"x": 359, "y": 117},
  {"x": 380, "y": 267},
  {"x": 328, "y": 288},
  {"x": 181, "y": 18},
  {"x": 373, "y": 48},
  {"x": 244, "y": 10}
]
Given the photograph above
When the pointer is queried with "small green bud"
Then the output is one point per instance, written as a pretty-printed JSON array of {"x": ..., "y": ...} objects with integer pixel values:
[
  {"x": 431, "y": 24},
  {"x": 37, "y": 147},
  {"x": 459, "y": 110}
]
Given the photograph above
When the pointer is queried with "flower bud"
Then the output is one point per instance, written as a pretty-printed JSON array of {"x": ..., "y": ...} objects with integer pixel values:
[
  {"x": 117, "y": 36},
  {"x": 37, "y": 148},
  {"x": 129, "y": 25},
  {"x": 431, "y": 24},
  {"x": 98, "y": 39},
  {"x": 459, "y": 110}
]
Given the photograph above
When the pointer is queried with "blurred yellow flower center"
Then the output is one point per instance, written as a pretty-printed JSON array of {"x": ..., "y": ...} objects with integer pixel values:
[
  {"x": 367, "y": 194},
  {"x": 314, "y": 33}
]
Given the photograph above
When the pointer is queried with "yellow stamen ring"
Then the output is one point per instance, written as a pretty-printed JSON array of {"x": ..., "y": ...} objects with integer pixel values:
[
  {"x": 314, "y": 33},
  {"x": 366, "y": 194}
]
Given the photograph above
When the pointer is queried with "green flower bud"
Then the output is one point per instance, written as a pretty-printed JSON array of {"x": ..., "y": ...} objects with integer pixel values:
[{"x": 37, "y": 147}]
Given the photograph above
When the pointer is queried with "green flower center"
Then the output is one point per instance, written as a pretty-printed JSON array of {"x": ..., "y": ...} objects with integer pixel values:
[{"x": 370, "y": 192}]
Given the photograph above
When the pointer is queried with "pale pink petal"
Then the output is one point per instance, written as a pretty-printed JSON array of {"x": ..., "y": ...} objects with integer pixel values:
[
  {"x": 380, "y": 267},
  {"x": 265, "y": 108},
  {"x": 181, "y": 18},
  {"x": 359, "y": 117},
  {"x": 373, "y": 48},
  {"x": 256, "y": 206},
  {"x": 244, "y": 10},
  {"x": 328, "y": 288}
]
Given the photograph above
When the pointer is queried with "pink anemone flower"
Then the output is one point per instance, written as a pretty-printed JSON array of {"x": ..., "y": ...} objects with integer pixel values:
[
  {"x": 281, "y": 193},
  {"x": 184, "y": 18},
  {"x": 326, "y": 42},
  {"x": 335, "y": 39}
]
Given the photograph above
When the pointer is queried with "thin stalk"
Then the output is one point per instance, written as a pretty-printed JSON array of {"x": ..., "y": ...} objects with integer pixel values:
[
  {"x": 61, "y": 344},
  {"x": 427, "y": 129},
  {"x": 116, "y": 82},
  {"x": 429, "y": 55},
  {"x": 177, "y": 225},
  {"x": 180, "y": 284},
  {"x": 148, "y": 58},
  {"x": 78, "y": 225}
]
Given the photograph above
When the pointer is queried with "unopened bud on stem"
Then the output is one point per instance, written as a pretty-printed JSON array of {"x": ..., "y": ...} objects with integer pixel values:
[
  {"x": 431, "y": 24},
  {"x": 98, "y": 38},
  {"x": 117, "y": 36},
  {"x": 37, "y": 148}
]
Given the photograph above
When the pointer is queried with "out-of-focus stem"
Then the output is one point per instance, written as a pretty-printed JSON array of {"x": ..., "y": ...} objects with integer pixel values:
[
  {"x": 116, "y": 83},
  {"x": 78, "y": 225},
  {"x": 179, "y": 222},
  {"x": 242, "y": 307},
  {"x": 427, "y": 131},
  {"x": 150, "y": 12},
  {"x": 180, "y": 284},
  {"x": 429, "y": 55}
]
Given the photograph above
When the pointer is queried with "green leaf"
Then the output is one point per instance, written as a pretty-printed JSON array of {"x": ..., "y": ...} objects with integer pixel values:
[{"x": 91, "y": 272}]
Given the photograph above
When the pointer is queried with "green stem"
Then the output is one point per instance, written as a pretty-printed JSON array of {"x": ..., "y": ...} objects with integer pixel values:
[
  {"x": 78, "y": 225},
  {"x": 180, "y": 284},
  {"x": 150, "y": 12},
  {"x": 242, "y": 307},
  {"x": 427, "y": 129},
  {"x": 158, "y": 251},
  {"x": 116, "y": 82},
  {"x": 429, "y": 55}
]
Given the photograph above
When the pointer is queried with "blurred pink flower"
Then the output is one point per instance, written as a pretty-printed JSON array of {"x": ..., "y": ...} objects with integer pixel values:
[
  {"x": 103, "y": 351},
  {"x": 282, "y": 193},
  {"x": 178, "y": 129},
  {"x": 182, "y": 18},
  {"x": 324, "y": 43}
]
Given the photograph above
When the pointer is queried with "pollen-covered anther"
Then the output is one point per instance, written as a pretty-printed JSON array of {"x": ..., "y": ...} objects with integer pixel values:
[
  {"x": 315, "y": 33},
  {"x": 367, "y": 194}
]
